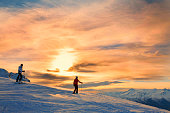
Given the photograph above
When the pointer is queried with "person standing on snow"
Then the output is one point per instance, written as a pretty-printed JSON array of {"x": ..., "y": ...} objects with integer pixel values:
[
  {"x": 75, "y": 84},
  {"x": 20, "y": 73}
]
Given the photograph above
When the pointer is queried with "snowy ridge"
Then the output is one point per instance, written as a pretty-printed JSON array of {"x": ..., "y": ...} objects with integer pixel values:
[
  {"x": 4, "y": 73},
  {"x": 31, "y": 98},
  {"x": 154, "y": 97},
  {"x": 146, "y": 93}
]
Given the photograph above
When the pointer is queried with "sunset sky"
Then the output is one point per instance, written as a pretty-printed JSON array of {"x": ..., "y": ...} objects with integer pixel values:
[{"x": 107, "y": 43}]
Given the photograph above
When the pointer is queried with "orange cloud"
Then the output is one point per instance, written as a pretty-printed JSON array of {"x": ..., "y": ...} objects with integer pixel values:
[{"x": 130, "y": 39}]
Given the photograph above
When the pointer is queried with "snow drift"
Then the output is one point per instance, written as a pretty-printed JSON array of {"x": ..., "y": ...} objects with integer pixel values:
[{"x": 6, "y": 74}]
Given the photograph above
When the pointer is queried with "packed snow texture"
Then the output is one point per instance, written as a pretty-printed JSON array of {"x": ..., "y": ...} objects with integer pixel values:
[{"x": 32, "y": 98}]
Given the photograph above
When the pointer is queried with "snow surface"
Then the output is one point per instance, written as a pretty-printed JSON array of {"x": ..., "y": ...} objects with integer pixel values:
[
  {"x": 32, "y": 98},
  {"x": 4, "y": 73}
]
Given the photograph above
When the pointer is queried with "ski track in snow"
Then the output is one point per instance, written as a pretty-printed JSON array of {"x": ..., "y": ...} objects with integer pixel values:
[{"x": 32, "y": 98}]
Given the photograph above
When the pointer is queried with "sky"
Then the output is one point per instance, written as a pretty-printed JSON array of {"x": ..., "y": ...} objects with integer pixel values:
[{"x": 107, "y": 43}]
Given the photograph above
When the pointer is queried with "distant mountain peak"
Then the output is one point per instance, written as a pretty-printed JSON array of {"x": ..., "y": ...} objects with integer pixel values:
[{"x": 154, "y": 97}]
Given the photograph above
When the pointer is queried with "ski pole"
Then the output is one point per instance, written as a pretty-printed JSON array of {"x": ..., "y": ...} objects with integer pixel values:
[{"x": 81, "y": 87}]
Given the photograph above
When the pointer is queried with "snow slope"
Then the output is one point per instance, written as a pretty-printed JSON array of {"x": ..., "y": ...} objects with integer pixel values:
[{"x": 31, "y": 98}]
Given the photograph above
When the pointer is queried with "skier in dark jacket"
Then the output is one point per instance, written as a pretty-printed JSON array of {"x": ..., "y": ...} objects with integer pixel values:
[
  {"x": 75, "y": 84},
  {"x": 20, "y": 70}
]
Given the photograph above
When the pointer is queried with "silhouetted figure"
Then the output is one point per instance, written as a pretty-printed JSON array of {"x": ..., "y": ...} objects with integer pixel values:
[
  {"x": 75, "y": 84},
  {"x": 20, "y": 73}
]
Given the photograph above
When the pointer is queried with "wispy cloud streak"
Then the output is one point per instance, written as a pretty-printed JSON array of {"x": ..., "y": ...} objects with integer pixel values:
[{"x": 112, "y": 39}]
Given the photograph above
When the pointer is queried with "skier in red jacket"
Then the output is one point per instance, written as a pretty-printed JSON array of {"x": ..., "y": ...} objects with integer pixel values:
[{"x": 75, "y": 84}]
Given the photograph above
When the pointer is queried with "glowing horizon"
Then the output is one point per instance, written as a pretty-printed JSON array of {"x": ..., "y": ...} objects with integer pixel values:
[{"x": 100, "y": 41}]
